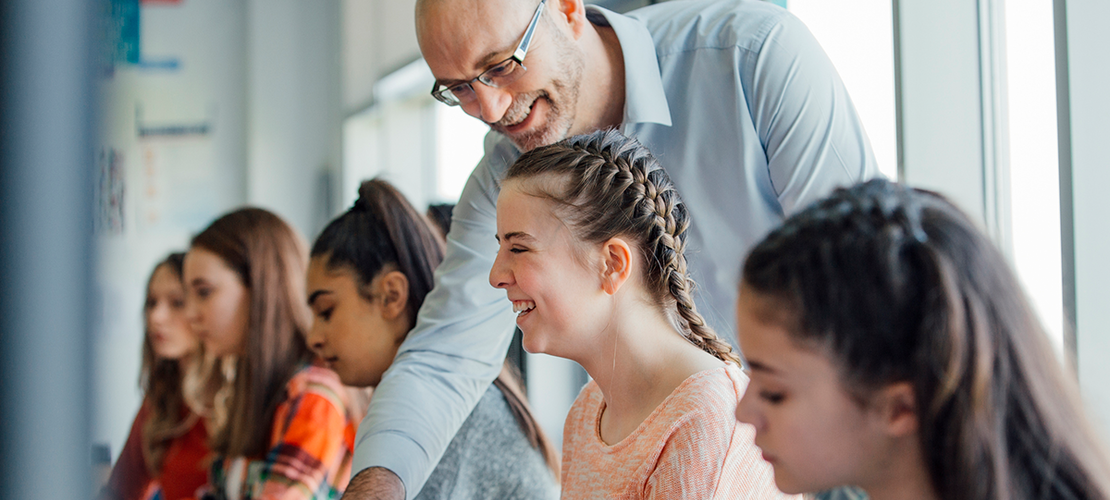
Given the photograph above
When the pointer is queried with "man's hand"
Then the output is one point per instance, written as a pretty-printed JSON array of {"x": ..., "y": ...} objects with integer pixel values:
[{"x": 375, "y": 483}]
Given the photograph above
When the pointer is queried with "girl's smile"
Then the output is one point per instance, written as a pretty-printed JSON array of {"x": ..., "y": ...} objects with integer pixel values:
[{"x": 544, "y": 273}]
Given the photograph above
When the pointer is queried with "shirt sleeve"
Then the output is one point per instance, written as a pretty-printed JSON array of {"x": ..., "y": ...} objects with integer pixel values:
[
  {"x": 811, "y": 133},
  {"x": 130, "y": 479},
  {"x": 456, "y": 349},
  {"x": 307, "y": 442}
]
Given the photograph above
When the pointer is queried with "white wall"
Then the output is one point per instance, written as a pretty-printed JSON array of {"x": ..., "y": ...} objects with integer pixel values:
[
  {"x": 379, "y": 37},
  {"x": 293, "y": 93},
  {"x": 1085, "y": 162},
  {"x": 172, "y": 185},
  {"x": 265, "y": 78}
]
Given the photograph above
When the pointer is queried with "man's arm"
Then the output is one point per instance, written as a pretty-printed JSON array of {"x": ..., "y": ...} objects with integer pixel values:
[
  {"x": 375, "y": 483},
  {"x": 452, "y": 355},
  {"x": 811, "y": 133}
]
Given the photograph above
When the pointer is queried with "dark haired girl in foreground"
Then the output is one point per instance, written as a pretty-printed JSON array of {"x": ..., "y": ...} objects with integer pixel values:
[
  {"x": 891, "y": 347},
  {"x": 370, "y": 271}
]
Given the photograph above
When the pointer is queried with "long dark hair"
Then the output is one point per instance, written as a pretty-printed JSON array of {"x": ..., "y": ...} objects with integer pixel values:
[
  {"x": 605, "y": 185},
  {"x": 383, "y": 230},
  {"x": 270, "y": 259},
  {"x": 161, "y": 380},
  {"x": 898, "y": 285}
]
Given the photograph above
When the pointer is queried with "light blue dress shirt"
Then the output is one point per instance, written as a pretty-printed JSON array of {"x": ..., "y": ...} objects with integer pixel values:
[{"x": 750, "y": 119}]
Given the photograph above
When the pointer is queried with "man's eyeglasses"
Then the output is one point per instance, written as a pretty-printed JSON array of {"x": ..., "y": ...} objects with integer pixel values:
[{"x": 500, "y": 75}]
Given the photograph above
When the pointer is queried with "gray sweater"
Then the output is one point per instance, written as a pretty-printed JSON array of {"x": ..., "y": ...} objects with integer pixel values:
[{"x": 490, "y": 458}]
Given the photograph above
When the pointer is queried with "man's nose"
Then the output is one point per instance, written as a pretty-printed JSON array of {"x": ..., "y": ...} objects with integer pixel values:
[{"x": 489, "y": 104}]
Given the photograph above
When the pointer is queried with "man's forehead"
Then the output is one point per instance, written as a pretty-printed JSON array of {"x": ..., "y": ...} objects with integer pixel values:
[
  {"x": 451, "y": 15},
  {"x": 503, "y": 6},
  {"x": 469, "y": 34}
]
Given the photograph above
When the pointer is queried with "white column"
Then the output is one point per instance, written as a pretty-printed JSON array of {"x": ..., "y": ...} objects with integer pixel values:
[
  {"x": 949, "y": 95},
  {"x": 46, "y": 164},
  {"x": 1083, "y": 75}
]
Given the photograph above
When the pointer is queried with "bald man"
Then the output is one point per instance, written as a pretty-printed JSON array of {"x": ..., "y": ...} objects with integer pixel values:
[{"x": 735, "y": 98}]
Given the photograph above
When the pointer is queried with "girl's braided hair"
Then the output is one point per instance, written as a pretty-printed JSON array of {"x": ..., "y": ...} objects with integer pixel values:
[{"x": 605, "y": 185}]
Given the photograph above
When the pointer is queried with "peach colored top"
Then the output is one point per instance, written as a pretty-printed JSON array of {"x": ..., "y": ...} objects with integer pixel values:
[{"x": 690, "y": 447}]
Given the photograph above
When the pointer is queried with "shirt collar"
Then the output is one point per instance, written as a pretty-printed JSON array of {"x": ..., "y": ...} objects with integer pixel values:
[{"x": 644, "y": 99}]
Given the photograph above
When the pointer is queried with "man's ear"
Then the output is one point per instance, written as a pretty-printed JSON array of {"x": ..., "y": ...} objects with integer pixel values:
[
  {"x": 573, "y": 13},
  {"x": 394, "y": 289},
  {"x": 616, "y": 256},
  {"x": 897, "y": 406}
]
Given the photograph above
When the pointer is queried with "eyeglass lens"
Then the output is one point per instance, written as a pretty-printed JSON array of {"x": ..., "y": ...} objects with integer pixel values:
[{"x": 498, "y": 76}]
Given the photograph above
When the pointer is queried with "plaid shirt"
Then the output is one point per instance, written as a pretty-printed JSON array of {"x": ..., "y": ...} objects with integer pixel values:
[{"x": 311, "y": 445}]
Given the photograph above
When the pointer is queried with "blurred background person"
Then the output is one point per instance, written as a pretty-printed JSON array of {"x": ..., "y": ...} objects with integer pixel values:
[
  {"x": 288, "y": 432},
  {"x": 440, "y": 216},
  {"x": 165, "y": 451}
]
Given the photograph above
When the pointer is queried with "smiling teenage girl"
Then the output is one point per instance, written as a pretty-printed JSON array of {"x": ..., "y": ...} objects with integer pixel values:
[
  {"x": 891, "y": 347},
  {"x": 591, "y": 238},
  {"x": 166, "y": 447},
  {"x": 370, "y": 271},
  {"x": 287, "y": 433}
]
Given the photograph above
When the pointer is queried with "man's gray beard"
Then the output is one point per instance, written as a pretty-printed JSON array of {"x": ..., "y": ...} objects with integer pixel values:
[{"x": 560, "y": 115}]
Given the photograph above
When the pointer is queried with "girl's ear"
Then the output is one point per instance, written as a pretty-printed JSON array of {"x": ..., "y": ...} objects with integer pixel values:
[
  {"x": 616, "y": 257},
  {"x": 897, "y": 406},
  {"x": 394, "y": 289}
]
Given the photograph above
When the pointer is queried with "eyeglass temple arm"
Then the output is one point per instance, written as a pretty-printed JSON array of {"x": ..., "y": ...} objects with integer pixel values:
[{"x": 527, "y": 39}]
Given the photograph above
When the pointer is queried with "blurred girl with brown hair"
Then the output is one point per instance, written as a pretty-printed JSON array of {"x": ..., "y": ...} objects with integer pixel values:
[
  {"x": 167, "y": 444},
  {"x": 288, "y": 432}
]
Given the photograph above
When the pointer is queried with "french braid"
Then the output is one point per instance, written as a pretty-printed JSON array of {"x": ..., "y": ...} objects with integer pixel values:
[{"x": 607, "y": 184}]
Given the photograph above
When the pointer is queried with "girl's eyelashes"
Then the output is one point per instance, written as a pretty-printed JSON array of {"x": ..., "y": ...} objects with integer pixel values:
[
  {"x": 517, "y": 250},
  {"x": 323, "y": 311},
  {"x": 772, "y": 397}
]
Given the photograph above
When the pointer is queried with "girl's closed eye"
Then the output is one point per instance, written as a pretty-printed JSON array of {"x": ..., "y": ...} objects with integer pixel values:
[
  {"x": 325, "y": 314},
  {"x": 518, "y": 250},
  {"x": 772, "y": 397}
]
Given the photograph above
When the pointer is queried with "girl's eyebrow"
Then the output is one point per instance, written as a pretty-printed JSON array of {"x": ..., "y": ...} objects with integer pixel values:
[
  {"x": 757, "y": 366},
  {"x": 520, "y": 235},
  {"x": 315, "y": 295}
]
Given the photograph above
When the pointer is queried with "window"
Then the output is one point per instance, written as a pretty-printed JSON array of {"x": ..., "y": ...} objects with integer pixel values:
[
  {"x": 1034, "y": 164},
  {"x": 864, "y": 57}
]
